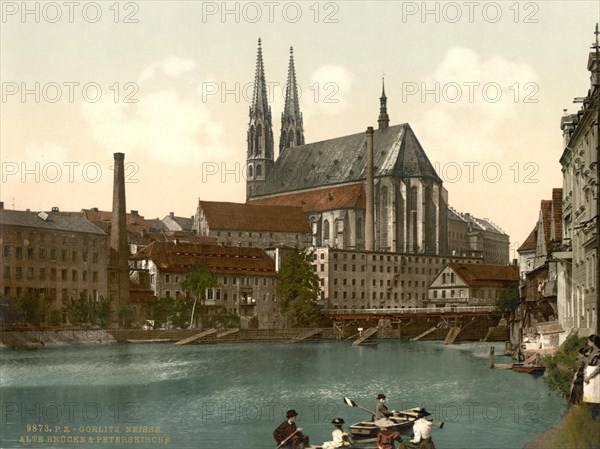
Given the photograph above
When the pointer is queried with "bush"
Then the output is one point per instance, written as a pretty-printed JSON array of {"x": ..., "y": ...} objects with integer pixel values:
[
  {"x": 581, "y": 430},
  {"x": 561, "y": 367},
  {"x": 54, "y": 318}
]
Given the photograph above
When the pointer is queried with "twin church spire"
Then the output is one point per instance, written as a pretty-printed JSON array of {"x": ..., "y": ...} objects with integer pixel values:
[{"x": 261, "y": 158}]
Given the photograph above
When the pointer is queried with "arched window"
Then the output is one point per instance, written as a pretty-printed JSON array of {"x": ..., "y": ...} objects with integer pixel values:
[
  {"x": 298, "y": 139},
  {"x": 258, "y": 171},
  {"x": 291, "y": 138},
  {"x": 258, "y": 147},
  {"x": 359, "y": 228},
  {"x": 384, "y": 217},
  {"x": 326, "y": 229},
  {"x": 250, "y": 172}
]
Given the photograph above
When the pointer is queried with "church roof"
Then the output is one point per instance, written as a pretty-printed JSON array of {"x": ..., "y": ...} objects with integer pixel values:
[
  {"x": 339, "y": 197},
  {"x": 396, "y": 152}
]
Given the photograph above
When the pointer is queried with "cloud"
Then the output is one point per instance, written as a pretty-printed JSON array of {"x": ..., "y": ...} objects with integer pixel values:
[
  {"x": 162, "y": 125},
  {"x": 169, "y": 123},
  {"x": 472, "y": 101},
  {"x": 172, "y": 67},
  {"x": 329, "y": 90}
]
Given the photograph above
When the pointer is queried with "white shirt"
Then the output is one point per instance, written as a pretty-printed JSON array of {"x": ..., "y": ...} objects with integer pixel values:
[
  {"x": 338, "y": 440},
  {"x": 421, "y": 429}
]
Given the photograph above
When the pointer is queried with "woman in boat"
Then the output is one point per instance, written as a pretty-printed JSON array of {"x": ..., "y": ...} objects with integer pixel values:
[
  {"x": 386, "y": 437},
  {"x": 340, "y": 438},
  {"x": 381, "y": 411},
  {"x": 422, "y": 431}
]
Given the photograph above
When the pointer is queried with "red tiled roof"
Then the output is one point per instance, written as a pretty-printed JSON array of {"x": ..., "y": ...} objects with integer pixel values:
[
  {"x": 137, "y": 293},
  {"x": 135, "y": 222},
  {"x": 183, "y": 257},
  {"x": 343, "y": 197},
  {"x": 551, "y": 217},
  {"x": 253, "y": 217},
  {"x": 530, "y": 242},
  {"x": 486, "y": 275}
]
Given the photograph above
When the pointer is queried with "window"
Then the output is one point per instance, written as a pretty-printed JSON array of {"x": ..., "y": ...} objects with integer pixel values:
[
  {"x": 29, "y": 273},
  {"x": 42, "y": 274},
  {"x": 6, "y": 272},
  {"x": 18, "y": 252},
  {"x": 95, "y": 276},
  {"x": 63, "y": 275},
  {"x": 74, "y": 275}
]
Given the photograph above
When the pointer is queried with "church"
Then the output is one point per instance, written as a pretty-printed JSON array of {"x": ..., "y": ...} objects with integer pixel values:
[{"x": 329, "y": 180}]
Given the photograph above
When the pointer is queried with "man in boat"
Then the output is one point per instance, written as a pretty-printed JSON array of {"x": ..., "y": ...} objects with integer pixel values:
[
  {"x": 422, "y": 432},
  {"x": 381, "y": 411},
  {"x": 340, "y": 438},
  {"x": 386, "y": 437},
  {"x": 288, "y": 435}
]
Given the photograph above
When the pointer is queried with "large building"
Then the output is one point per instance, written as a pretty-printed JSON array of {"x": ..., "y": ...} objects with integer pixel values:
[
  {"x": 55, "y": 257},
  {"x": 409, "y": 207},
  {"x": 235, "y": 224},
  {"x": 471, "y": 236},
  {"x": 246, "y": 278},
  {"x": 578, "y": 273},
  {"x": 352, "y": 279}
]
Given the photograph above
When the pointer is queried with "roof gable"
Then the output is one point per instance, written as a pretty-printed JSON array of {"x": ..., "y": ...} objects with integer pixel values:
[{"x": 476, "y": 275}]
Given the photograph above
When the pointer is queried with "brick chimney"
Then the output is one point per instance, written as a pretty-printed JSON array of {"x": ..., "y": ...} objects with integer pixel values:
[
  {"x": 119, "y": 248},
  {"x": 369, "y": 212}
]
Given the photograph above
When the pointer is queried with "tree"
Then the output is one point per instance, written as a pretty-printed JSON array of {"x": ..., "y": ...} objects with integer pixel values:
[
  {"x": 298, "y": 289},
  {"x": 508, "y": 299},
  {"x": 196, "y": 283}
]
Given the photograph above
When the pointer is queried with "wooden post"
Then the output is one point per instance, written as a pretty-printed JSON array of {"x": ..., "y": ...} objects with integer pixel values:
[{"x": 491, "y": 357}]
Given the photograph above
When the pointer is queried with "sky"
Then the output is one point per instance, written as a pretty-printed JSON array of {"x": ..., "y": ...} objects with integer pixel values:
[{"x": 169, "y": 83}]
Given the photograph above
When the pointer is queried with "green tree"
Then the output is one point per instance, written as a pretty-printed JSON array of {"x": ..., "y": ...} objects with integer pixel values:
[
  {"x": 508, "y": 299},
  {"x": 196, "y": 283},
  {"x": 298, "y": 289},
  {"x": 561, "y": 367}
]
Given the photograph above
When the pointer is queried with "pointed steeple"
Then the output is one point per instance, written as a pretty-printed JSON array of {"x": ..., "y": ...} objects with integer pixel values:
[
  {"x": 384, "y": 119},
  {"x": 292, "y": 128},
  {"x": 260, "y": 158}
]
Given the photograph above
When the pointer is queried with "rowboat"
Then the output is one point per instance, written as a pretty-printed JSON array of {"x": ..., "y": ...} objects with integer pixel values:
[
  {"x": 403, "y": 421},
  {"x": 530, "y": 369}
]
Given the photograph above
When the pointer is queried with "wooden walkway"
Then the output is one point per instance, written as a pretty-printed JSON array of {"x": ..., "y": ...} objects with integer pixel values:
[
  {"x": 227, "y": 332},
  {"x": 452, "y": 334},
  {"x": 304, "y": 336},
  {"x": 365, "y": 336},
  {"x": 423, "y": 334},
  {"x": 196, "y": 337}
]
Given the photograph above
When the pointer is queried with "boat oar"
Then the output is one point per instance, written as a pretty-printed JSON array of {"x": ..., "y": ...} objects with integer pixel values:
[
  {"x": 290, "y": 436},
  {"x": 351, "y": 403}
]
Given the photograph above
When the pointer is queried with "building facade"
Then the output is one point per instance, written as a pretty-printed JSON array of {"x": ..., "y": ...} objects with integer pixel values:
[
  {"x": 376, "y": 280},
  {"x": 246, "y": 278},
  {"x": 578, "y": 271},
  {"x": 460, "y": 284},
  {"x": 55, "y": 257}
]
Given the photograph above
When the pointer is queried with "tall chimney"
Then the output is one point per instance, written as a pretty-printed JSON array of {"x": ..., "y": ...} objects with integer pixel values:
[
  {"x": 119, "y": 249},
  {"x": 369, "y": 213}
]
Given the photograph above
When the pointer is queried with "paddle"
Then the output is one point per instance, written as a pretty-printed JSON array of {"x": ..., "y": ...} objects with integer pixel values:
[
  {"x": 351, "y": 403},
  {"x": 291, "y": 435}
]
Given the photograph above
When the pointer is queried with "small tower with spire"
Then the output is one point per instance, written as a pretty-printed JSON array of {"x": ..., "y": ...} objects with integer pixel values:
[
  {"x": 384, "y": 119},
  {"x": 260, "y": 157},
  {"x": 292, "y": 128}
]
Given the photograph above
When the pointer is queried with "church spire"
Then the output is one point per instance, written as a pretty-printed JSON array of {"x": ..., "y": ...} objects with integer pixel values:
[
  {"x": 292, "y": 129},
  {"x": 384, "y": 119},
  {"x": 260, "y": 158}
]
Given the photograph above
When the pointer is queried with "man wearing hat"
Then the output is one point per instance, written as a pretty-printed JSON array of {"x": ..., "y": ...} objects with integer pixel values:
[
  {"x": 381, "y": 411},
  {"x": 340, "y": 438},
  {"x": 422, "y": 431},
  {"x": 288, "y": 435}
]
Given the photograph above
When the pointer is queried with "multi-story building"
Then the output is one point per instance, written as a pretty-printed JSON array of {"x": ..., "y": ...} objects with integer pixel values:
[
  {"x": 376, "y": 280},
  {"x": 464, "y": 284},
  {"x": 236, "y": 224},
  {"x": 578, "y": 271},
  {"x": 469, "y": 236},
  {"x": 56, "y": 257},
  {"x": 246, "y": 277}
]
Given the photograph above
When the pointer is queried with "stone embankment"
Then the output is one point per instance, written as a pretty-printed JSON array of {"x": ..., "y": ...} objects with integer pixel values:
[{"x": 40, "y": 338}]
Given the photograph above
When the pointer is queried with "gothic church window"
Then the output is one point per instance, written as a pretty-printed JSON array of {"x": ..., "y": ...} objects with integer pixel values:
[
  {"x": 258, "y": 171},
  {"x": 326, "y": 229}
]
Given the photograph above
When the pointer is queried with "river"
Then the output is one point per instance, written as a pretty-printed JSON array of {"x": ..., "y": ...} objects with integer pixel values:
[{"x": 234, "y": 395}]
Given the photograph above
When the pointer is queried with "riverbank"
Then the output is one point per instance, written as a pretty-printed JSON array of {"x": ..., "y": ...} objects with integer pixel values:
[
  {"x": 547, "y": 439},
  {"x": 41, "y": 338}
]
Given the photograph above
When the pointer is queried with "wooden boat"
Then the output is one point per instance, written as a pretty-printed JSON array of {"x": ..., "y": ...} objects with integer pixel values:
[
  {"x": 367, "y": 429},
  {"x": 530, "y": 369}
]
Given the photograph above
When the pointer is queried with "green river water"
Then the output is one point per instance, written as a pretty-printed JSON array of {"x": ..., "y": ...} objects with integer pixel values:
[{"x": 234, "y": 395}]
